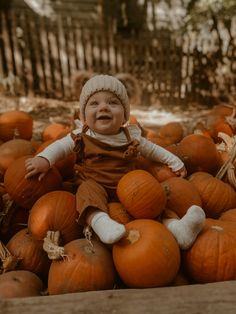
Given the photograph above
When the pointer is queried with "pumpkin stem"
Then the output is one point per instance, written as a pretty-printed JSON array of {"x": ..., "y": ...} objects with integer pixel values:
[
  {"x": 228, "y": 165},
  {"x": 7, "y": 212},
  {"x": 133, "y": 236},
  {"x": 231, "y": 120},
  {"x": 51, "y": 245},
  {"x": 88, "y": 235},
  {"x": 9, "y": 261}
]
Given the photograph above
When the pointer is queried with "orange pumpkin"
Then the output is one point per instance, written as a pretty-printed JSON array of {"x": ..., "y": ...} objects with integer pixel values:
[
  {"x": 54, "y": 131},
  {"x": 30, "y": 252},
  {"x": 212, "y": 257},
  {"x": 181, "y": 194},
  {"x": 216, "y": 195},
  {"x": 26, "y": 191},
  {"x": 14, "y": 149},
  {"x": 172, "y": 132},
  {"x": 117, "y": 212},
  {"x": 15, "y": 124},
  {"x": 148, "y": 257},
  {"x": 229, "y": 215},
  {"x": 85, "y": 267},
  {"x": 141, "y": 194},
  {"x": 55, "y": 211},
  {"x": 198, "y": 152},
  {"x": 64, "y": 166},
  {"x": 160, "y": 171},
  {"x": 216, "y": 124},
  {"x": 20, "y": 284}
]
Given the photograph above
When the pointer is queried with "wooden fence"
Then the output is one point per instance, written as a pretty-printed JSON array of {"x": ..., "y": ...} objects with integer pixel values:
[{"x": 45, "y": 53}]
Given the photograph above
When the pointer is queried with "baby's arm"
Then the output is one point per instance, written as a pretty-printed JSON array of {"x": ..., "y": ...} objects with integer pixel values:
[
  {"x": 43, "y": 161},
  {"x": 36, "y": 165},
  {"x": 157, "y": 153}
]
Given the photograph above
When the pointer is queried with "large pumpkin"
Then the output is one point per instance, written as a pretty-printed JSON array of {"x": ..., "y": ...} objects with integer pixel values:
[
  {"x": 229, "y": 215},
  {"x": 55, "y": 211},
  {"x": 141, "y": 194},
  {"x": 148, "y": 257},
  {"x": 216, "y": 195},
  {"x": 26, "y": 191},
  {"x": 15, "y": 124},
  {"x": 212, "y": 257},
  {"x": 198, "y": 152},
  {"x": 181, "y": 194},
  {"x": 85, "y": 267}
]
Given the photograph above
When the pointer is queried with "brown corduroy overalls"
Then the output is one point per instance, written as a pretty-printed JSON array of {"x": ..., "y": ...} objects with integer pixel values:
[{"x": 100, "y": 168}]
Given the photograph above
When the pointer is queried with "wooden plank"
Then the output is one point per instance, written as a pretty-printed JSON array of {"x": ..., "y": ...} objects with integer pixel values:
[
  {"x": 3, "y": 65},
  {"x": 41, "y": 56},
  {"x": 213, "y": 298}
]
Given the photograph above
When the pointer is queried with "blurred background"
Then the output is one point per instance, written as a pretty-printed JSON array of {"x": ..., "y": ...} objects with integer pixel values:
[{"x": 170, "y": 52}]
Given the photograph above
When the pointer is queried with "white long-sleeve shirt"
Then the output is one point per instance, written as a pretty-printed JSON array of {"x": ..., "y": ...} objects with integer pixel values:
[{"x": 59, "y": 149}]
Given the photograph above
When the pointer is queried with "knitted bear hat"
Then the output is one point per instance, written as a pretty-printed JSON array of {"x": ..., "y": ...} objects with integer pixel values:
[{"x": 103, "y": 82}]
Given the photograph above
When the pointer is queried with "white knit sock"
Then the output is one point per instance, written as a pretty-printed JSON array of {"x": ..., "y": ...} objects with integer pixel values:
[
  {"x": 186, "y": 229},
  {"x": 108, "y": 230}
]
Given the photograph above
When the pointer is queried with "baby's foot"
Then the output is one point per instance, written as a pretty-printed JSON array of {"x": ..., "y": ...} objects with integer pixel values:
[
  {"x": 186, "y": 229},
  {"x": 108, "y": 230}
]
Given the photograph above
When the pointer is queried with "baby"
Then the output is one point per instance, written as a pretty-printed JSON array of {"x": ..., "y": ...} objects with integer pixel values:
[{"x": 106, "y": 147}]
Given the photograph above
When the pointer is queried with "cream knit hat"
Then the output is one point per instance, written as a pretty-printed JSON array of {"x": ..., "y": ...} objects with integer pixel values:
[{"x": 103, "y": 83}]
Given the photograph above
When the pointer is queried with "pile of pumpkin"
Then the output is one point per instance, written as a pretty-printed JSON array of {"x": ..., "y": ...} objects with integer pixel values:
[{"x": 44, "y": 251}]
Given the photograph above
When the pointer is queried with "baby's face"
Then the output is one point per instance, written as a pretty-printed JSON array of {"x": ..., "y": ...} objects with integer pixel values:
[{"x": 104, "y": 113}]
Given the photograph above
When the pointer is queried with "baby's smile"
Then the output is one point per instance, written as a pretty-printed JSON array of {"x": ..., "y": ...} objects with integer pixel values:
[{"x": 104, "y": 117}]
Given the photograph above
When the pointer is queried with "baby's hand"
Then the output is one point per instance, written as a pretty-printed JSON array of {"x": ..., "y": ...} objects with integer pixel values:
[
  {"x": 181, "y": 172},
  {"x": 36, "y": 165}
]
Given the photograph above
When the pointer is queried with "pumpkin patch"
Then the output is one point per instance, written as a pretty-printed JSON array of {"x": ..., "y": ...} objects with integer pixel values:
[{"x": 148, "y": 255}]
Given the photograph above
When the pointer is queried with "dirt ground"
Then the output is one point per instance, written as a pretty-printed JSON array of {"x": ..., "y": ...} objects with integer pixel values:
[{"x": 45, "y": 111}]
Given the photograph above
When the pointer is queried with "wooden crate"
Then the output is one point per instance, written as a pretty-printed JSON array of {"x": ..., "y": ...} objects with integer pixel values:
[{"x": 213, "y": 298}]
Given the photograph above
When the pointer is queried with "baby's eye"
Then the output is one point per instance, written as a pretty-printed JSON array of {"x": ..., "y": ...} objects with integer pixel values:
[
  {"x": 93, "y": 103},
  {"x": 113, "y": 102}
]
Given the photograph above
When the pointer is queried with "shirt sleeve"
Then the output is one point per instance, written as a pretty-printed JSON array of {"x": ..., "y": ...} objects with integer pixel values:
[
  {"x": 134, "y": 131},
  {"x": 157, "y": 153},
  {"x": 58, "y": 150}
]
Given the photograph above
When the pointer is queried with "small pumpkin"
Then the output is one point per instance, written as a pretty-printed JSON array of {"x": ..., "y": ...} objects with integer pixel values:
[
  {"x": 16, "y": 124},
  {"x": 20, "y": 284},
  {"x": 30, "y": 253},
  {"x": 118, "y": 212},
  {"x": 54, "y": 131},
  {"x": 181, "y": 194},
  {"x": 160, "y": 171},
  {"x": 141, "y": 194},
  {"x": 14, "y": 149},
  {"x": 216, "y": 195},
  {"x": 172, "y": 132},
  {"x": 148, "y": 257}
]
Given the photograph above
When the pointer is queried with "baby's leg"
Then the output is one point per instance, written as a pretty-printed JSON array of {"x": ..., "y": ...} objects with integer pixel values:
[
  {"x": 92, "y": 204},
  {"x": 108, "y": 230},
  {"x": 186, "y": 229}
]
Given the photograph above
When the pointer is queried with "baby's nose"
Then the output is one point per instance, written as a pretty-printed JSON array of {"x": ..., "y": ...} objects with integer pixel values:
[{"x": 103, "y": 106}]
